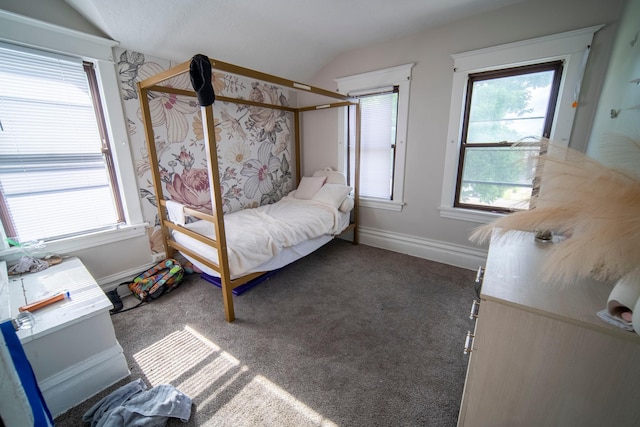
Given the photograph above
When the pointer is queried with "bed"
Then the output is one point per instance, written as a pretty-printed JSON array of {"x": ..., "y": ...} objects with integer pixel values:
[
  {"x": 241, "y": 246},
  {"x": 273, "y": 235}
]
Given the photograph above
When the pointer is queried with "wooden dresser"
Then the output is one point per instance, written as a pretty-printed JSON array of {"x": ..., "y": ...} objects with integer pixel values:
[{"x": 540, "y": 356}]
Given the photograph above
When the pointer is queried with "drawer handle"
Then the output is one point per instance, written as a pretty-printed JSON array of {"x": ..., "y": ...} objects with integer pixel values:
[
  {"x": 475, "y": 307},
  {"x": 468, "y": 343},
  {"x": 479, "y": 280}
]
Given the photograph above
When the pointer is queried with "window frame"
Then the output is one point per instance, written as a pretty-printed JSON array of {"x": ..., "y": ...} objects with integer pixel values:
[
  {"x": 363, "y": 148},
  {"x": 571, "y": 47},
  {"x": 24, "y": 32},
  {"x": 82, "y": 68},
  {"x": 368, "y": 83},
  {"x": 555, "y": 66},
  {"x": 107, "y": 152}
]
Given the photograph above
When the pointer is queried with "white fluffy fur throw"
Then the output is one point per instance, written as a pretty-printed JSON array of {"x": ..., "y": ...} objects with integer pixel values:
[{"x": 597, "y": 207}]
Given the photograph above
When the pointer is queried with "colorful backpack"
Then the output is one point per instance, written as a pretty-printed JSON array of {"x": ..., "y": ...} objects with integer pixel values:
[
  {"x": 163, "y": 277},
  {"x": 151, "y": 284}
]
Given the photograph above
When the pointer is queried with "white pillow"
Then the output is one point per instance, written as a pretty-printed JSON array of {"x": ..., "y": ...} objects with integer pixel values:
[
  {"x": 332, "y": 194},
  {"x": 333, "y": 177},
  {"x": 309, "y": 186},
  {"x": 347, "y": 204}
]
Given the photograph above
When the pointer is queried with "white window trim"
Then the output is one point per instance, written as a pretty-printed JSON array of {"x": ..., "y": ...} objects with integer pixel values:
[
  {"x": 32, "y": 33},
  {"x": 360, "y": 84},
  {"x": 83, "y": 241},
  {"x": 572, "y": 47}
]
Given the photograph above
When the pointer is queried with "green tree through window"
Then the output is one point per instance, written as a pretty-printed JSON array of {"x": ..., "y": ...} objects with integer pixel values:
[{"x": 503, "y": 108}]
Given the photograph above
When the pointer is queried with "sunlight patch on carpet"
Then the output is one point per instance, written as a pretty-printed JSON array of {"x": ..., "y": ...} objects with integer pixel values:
[
  {"x": 203, "y": 371},
  {"x": 261, "y": 402},
  {"x": 208, "y": 375},
  {"x": 173, "y": 356}
]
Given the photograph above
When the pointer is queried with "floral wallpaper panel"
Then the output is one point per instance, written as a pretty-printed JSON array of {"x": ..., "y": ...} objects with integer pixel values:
[{"x": 254, "y": 144}]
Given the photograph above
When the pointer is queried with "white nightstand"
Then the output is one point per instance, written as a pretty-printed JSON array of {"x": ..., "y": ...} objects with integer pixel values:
[{"x": 72, "y": 348}]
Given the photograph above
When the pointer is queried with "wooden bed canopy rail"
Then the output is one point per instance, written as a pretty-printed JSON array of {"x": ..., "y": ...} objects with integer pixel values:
[{"x": 153, "y": 84}]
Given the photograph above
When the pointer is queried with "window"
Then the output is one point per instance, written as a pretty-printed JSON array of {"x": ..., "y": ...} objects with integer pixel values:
[
  {"x": 502, "y": 108},
  {"x": 378, "y": 119},
  {"x": 384, "y": 105},
  {"x": 503, "y": 95},
  {"x": 57, "y": 177}
]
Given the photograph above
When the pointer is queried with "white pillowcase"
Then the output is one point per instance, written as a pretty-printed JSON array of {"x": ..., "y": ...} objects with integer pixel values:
[
  {"x": 347, "y": 204},
  {"x": 333, "y": 177},
  {"x": 332, "y": 194},
  {"x": 309, "y": 186}
]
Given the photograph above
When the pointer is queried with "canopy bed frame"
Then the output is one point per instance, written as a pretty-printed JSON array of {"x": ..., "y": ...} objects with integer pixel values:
[{"x": 318, "y": 99}]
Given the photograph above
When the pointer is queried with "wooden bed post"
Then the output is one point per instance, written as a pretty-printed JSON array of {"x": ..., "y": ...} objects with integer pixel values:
[
  {"x": 296, "y": 142},
  {"x": 153, "y": 160},
  {"x": 216, "y": 199},
  {"x": 356, "y": 177}
]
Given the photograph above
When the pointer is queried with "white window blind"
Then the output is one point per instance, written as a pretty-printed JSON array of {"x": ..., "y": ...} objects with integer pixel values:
[
  {"x": 378, "y": 117},
  {"x": 53, "y": 178}
]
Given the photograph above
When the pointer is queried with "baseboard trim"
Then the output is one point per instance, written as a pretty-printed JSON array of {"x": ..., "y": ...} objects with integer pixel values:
[
  {"x": 79, "y": 382},
  {"x": 446, "y": 253},
  {"x": 434, "y": 250},
  {"x": 109, "y": 282}
]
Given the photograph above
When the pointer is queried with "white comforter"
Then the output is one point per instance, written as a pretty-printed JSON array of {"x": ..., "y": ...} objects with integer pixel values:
[{"x": 254, "y": 236}]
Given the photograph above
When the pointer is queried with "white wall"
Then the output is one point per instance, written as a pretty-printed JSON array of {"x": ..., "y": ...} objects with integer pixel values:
[
  {"x": 419, "y": 229},
  {"x": 621, "y": 93},
  {"x": 53, "y": 11}
]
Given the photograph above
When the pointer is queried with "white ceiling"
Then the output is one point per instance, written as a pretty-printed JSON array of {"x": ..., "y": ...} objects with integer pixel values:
[{"x": 288, "y": 38}]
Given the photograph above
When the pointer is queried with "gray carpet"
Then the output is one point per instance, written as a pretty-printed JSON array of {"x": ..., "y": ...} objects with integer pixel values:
[{"x": 348, "y": 336}]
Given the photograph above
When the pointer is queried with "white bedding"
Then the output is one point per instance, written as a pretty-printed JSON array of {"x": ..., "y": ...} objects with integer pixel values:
[{"x": 268, "y": 237}]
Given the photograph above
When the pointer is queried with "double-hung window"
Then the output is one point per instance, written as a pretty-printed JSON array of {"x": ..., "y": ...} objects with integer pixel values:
[
  {"x": 57, "y": 177},
  {"x": 504, "y": 101},
  {"x": 384, "y": 104},
  {"x": 378, "y": 123},
  {"x": 507, "y": 114}
]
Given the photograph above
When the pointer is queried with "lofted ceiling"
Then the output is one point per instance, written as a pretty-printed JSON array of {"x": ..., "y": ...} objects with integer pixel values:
[{"x": 289, "y": 38}]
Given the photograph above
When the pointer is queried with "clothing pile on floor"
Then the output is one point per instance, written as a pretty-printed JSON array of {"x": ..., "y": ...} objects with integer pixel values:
[{"x": 132, "y": 405}]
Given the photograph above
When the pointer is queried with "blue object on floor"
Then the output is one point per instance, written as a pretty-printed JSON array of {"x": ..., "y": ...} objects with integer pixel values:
[{"x": 242, "y": 288}]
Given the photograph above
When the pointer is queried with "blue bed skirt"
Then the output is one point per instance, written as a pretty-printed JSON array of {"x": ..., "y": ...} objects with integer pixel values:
[{"x": 242, "y": 288}]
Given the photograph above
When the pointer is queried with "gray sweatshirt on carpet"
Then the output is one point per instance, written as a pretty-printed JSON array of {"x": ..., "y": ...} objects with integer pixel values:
[{"x": 132, "y": 405}]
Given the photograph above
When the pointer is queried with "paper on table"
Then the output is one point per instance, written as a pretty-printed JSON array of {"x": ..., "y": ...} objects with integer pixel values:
[
  {"x": 71, "y": 279},
  {"x": 614, "y": 320}
]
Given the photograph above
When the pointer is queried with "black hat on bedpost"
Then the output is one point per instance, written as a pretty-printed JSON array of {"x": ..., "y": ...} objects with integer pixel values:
[{"x": 200, "y": 72}]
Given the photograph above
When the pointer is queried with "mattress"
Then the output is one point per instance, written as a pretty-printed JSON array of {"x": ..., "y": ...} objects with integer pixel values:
[{"x": 283, "y": 253}]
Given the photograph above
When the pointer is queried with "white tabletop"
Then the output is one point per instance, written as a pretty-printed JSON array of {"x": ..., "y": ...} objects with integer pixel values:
[
  {"x": 86, "y": 297},
  {"x": 513, "y": 277}
]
